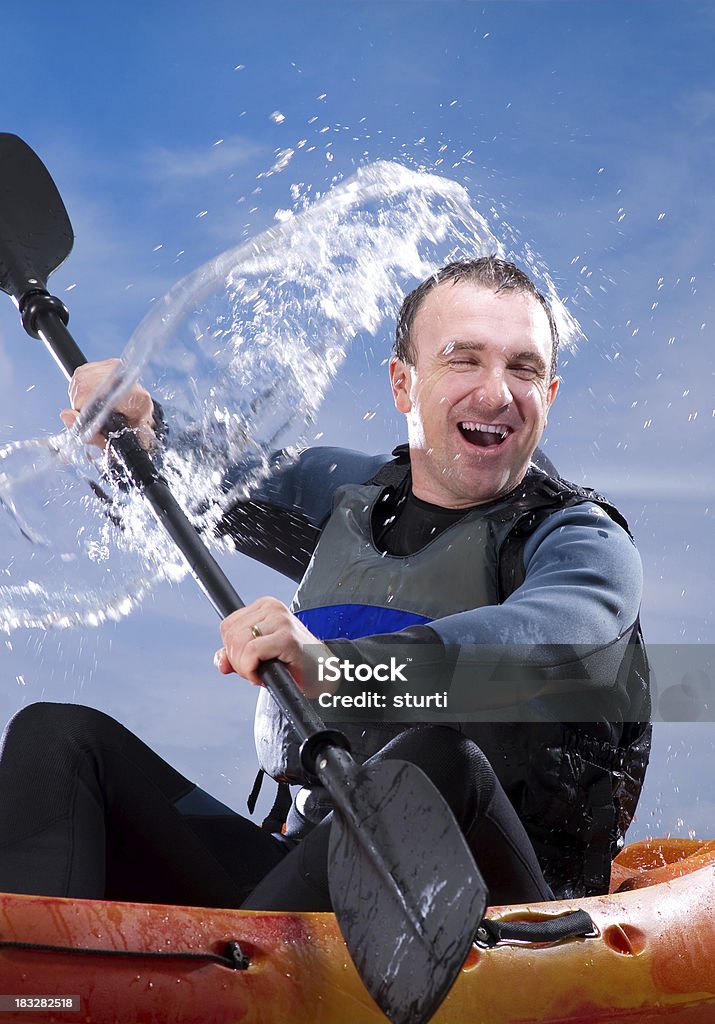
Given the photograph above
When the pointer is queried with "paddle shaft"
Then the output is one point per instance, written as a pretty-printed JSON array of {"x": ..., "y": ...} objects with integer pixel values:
[{"x": 45, "y": 317}]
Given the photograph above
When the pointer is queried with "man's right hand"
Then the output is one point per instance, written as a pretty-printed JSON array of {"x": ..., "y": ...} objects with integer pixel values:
[{"x": 137, "y": 405}]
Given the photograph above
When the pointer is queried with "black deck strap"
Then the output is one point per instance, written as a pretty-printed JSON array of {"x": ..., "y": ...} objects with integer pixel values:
[
  {"x": 276, "y": 817},
  {"x": 573, "y": 925},
  {"x": 234, "y": 958}
]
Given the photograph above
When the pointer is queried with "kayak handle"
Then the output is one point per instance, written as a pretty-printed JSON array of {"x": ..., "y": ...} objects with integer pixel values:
[{"x": 576, "y": 924}]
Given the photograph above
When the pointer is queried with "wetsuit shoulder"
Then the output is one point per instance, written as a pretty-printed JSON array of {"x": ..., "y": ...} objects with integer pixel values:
[
  {"x": 281, "y": 522},
  {"x": 307, "y": 482}
]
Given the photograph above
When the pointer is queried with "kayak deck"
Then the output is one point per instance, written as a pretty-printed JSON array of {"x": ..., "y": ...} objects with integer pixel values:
[{"x": 651, "y": 959}]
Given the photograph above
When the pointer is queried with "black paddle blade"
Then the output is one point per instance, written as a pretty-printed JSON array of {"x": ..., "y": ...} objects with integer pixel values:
[
  {"x": 35, "y": 231},
  {"x": 405, "y": 889}
]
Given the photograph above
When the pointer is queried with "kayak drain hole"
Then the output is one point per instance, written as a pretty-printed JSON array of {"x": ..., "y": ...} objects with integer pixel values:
[{"x": 624, "y": 939}]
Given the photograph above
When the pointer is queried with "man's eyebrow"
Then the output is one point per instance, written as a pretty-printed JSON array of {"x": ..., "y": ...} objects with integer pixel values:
[{"x": 461, "y": 346}]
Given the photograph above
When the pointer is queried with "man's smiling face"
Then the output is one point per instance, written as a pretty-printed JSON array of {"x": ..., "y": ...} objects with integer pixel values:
[{"x": 478, "y": 394}]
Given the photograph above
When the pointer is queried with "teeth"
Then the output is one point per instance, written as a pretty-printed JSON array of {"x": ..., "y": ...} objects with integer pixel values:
[{"x": 487, "y": 428}]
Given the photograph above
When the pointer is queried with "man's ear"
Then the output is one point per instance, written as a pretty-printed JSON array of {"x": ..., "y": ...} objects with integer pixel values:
[
  {"x": 551, "y": 392},
  {"x": 401, "y": 384}
]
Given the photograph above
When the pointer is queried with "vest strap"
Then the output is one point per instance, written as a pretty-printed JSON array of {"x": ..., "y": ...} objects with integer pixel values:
[
  {"x": 597, "y": 852},
  {"x": 255, "y": 791}
]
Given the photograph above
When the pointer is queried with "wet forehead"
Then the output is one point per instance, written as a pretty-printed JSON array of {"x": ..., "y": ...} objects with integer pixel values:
[{"x": 465, "y": 314}]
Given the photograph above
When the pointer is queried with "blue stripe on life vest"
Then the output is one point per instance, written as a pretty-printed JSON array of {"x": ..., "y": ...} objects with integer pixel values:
[{"x": 351, "y": 621}]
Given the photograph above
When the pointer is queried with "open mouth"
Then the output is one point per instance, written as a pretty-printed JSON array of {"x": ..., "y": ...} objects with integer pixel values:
[{"x": 484, "y": 435}]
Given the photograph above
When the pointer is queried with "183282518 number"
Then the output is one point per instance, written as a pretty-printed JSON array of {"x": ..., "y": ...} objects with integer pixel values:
[{"x": 33, "y": 1002}]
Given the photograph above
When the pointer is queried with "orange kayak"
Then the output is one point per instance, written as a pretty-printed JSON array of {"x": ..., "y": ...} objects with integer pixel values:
[{"x": 651, "y": 959}]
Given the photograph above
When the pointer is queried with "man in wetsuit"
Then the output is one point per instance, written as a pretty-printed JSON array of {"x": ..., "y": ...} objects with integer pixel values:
[{"x": 458, "y": 544}]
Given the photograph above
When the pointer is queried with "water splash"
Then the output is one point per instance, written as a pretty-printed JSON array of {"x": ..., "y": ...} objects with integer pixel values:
[
  {"x": 240, "y": 353},
  {"x": 63, "y": 562}
]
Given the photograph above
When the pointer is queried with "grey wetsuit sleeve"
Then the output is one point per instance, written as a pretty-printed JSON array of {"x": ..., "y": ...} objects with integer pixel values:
[{"x": 583, "y": 586}]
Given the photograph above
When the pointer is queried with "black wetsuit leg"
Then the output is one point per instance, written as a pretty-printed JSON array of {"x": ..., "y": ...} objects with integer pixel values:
[
  {"x": 88, "y": 810},
  {"x": 461, "y": 772}
]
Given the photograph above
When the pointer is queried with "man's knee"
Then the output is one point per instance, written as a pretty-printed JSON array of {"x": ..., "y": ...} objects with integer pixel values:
[
  {"x": 40, "y": 725},
  {"x": 437, "y": 745},
  {"x": 453, "y": 762}
]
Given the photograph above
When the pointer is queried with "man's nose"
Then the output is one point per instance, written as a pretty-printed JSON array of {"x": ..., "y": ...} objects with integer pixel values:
[{"x": 493, "y": 390}]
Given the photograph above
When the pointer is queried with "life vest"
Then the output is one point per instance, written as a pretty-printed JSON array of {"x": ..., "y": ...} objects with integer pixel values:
[{"x": 575, "y": 786}]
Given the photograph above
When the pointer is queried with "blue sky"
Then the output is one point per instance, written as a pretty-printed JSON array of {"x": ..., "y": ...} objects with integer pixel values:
[{"x": 583, "y": 129}]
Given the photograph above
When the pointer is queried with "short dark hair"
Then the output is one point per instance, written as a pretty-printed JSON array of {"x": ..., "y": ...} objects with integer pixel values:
[{"x": 487, "y": 271}]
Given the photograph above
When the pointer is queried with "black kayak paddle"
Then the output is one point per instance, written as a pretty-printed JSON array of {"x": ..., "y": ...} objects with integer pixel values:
[{"x": 406, "y": 892}]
